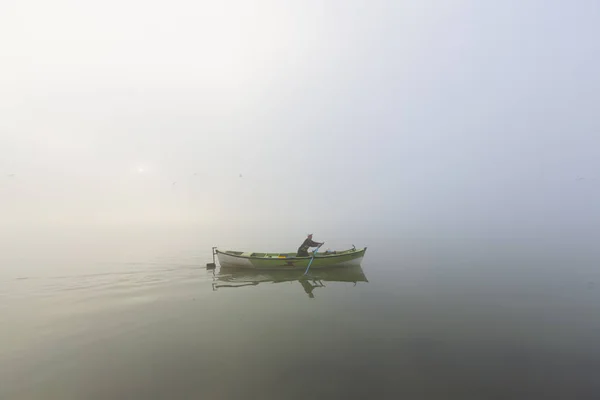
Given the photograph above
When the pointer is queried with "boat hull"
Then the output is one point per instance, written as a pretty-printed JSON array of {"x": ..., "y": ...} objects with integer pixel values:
[{"x": 273, "y": 261}]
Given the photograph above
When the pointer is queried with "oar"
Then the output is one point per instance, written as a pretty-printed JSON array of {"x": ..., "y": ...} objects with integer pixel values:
[{"x": 311, "y": 260}]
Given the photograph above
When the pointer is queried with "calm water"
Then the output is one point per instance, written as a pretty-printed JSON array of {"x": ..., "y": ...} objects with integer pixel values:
[{"x": 442, "y": 322}]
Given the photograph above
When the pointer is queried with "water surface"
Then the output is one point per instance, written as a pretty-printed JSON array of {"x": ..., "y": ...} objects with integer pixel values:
[{"x": 419, "y": 324}]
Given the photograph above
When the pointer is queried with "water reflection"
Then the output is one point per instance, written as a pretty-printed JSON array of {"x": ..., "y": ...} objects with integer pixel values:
[{"x": 237, "y": 277}]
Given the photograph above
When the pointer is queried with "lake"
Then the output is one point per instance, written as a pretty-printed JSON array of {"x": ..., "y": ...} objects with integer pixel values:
[{"x": 126, "y": 318}]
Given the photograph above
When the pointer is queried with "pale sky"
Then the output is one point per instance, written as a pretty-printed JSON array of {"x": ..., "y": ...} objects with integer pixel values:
[{"x": 449, "y": 115}]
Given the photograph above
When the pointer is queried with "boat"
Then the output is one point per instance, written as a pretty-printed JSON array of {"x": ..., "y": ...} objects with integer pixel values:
[
  {"x": 287, "y": 261},
  {"x": 241, "y": 277}
]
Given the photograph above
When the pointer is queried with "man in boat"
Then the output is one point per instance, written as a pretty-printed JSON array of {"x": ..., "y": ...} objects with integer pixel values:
[{"x": 303, "y": 249}]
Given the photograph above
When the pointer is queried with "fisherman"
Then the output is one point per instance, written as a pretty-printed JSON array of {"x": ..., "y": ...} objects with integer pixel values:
[{"x": 303, "y": 249}]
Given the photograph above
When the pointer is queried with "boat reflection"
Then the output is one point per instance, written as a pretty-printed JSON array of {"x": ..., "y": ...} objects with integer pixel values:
[{"x": 238, "y": 277}]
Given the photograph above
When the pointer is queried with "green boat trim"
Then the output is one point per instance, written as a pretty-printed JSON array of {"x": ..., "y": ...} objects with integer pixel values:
[{"x": 241, "y": 254}]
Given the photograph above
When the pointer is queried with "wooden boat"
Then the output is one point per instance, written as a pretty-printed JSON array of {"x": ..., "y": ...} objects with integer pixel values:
[{"x": 286, "y": 261}]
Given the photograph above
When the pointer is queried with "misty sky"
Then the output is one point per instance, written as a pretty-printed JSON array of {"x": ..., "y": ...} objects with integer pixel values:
[{"x": 439, "y": 114}]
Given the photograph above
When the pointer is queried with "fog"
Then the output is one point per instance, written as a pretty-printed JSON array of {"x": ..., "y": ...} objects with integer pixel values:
[{"x": 459, "y": 119}]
